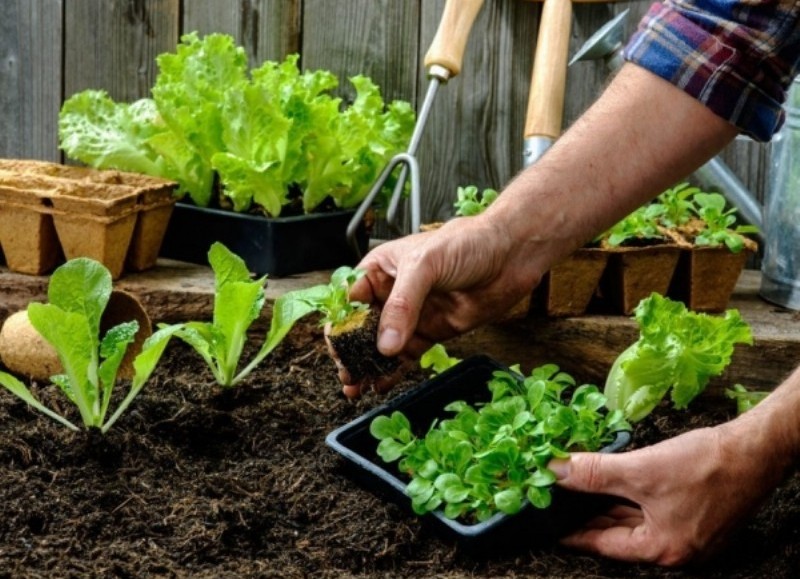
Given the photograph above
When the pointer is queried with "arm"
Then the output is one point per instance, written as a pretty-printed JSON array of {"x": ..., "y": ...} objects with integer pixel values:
[
  {"x": 689, "y": 491},
  {"x": 641, "y": 136}
]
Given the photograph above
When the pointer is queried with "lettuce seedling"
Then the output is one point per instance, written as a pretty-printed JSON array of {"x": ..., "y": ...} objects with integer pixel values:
[
  {"x": 492, "y": 457},
  {"x": 469, "y": 202},
  {"x": 677, "y": 350},
  {"x": 719, "y": 226},
  {"x": 437, "y": 359},
  {"x": 78, "y": 294},
  {"x": 745, "y": 399},
  {"x": 677, "y": 204},
  {"x": 640, "y": 225},
  {"x": 238, "y": 301},
  {"x": 332, "y": 300}
]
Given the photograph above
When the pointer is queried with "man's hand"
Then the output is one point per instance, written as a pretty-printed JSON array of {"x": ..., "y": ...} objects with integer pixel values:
[
  {"x": 689, "y": 492},
  {"x": 435, "y": 285}
]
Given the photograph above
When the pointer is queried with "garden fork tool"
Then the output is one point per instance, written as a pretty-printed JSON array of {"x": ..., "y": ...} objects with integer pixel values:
[{"x": 443, "y": 61}]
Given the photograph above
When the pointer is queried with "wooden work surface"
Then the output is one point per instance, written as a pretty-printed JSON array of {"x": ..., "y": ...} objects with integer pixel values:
[{"x": 584, "y": 346}]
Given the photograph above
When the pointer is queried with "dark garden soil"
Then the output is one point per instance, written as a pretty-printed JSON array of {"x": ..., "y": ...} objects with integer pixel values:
[{"x": 194, "y": 482}]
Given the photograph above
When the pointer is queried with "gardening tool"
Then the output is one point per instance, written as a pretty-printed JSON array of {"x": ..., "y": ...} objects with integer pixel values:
[
  {"x": 606, "y": 44},
  {"x": 780, "y": 268},
  {"x": 548, "y": 80},
  {"x": 443, "y": 61}
]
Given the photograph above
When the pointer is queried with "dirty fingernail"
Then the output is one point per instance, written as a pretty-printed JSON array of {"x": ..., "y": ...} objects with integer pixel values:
[
  {"x": 389, "y": 341},
  {"x": 560, "y": 468}
]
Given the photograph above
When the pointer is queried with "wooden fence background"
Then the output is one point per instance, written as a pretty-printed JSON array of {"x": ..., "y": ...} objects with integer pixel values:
[{"x": 50, "y": 49}]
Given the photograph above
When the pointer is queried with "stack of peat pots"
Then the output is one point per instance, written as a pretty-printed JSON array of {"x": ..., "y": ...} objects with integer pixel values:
[{"x": 51, "y": 212}]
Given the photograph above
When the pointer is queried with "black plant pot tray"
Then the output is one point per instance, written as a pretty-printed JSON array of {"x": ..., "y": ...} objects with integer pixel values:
[
  {"x": 276, "y": 246},
  {"x": 422, "y": 405}
]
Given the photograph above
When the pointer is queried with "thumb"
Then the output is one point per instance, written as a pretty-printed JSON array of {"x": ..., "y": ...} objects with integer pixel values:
[{"x": 591, "y": 472}]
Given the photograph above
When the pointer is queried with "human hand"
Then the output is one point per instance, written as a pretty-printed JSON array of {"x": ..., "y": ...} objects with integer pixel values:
[
  {"x": 438, "y": 284},
  {"x": 688, "y": 492}
]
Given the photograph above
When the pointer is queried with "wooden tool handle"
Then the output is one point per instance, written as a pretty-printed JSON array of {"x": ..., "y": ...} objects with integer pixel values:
[
  {"x": 546, "y": 98},
  {"x": 447, "y": 48}
]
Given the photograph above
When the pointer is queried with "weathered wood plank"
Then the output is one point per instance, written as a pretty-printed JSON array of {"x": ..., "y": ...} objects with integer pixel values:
[
  {"x": 30, "y": 78},
  {"x": 112, "y": 45},
  {"x": 267, "y": 29}
]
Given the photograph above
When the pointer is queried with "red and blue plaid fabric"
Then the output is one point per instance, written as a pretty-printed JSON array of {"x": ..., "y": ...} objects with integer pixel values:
[{"x": 736, "y": 57}]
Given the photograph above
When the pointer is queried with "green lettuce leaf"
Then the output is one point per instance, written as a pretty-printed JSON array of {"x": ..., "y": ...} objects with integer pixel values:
[{"x": 678, "y": 351}]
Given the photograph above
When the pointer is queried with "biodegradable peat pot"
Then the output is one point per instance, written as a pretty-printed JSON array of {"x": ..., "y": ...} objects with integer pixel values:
[
  {"x": 26, "y": 353},
  {"x": 27, "y": 234},
  {"x": 705, "y": 277},
  {"x": 569, "y": 285},
  {"x": 633, "y": 273},
  {"x": 110, "y": 216},
  {"x": 276, "y": 246},
  {"x": 424, "y": 404}
]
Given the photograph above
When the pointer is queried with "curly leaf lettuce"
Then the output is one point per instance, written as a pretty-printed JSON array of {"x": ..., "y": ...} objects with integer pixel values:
[
  {"x": 101, "y": 133},
  {"x": 677, "y": 350}
]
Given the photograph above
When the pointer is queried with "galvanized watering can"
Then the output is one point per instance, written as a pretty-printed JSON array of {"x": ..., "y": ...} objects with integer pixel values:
[{"x": 780, "y": 268}]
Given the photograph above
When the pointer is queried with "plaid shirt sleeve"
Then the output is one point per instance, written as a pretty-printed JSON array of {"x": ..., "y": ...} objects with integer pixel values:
[{"x": 736, "y": 57}]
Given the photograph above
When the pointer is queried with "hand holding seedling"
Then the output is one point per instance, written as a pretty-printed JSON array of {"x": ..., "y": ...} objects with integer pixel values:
[{"x": 435, "y": 285}]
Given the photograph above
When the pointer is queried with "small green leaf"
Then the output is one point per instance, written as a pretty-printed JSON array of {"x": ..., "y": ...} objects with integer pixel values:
[{"x": 509, "y": 501}]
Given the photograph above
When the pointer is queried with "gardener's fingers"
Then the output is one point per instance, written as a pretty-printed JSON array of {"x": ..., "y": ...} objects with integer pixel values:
[
  {"x": 378, "y": 384},
  {"x": 623, "y": 542},
  {"x": 598, "y": 473}
]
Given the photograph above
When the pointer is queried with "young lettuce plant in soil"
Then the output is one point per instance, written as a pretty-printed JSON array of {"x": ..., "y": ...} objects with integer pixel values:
[
  {"x": 718, "y": 226},
  {"x": 238, "y": 301},
  {"x": 490, "y": 458},
  {"x": 470, "y": 202},
  {"x": 78, "y": 294},
  {"x": 678, "y": 352}
]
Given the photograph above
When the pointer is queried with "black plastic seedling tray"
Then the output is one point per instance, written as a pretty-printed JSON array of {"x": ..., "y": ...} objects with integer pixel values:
[
  {"x": 424, "y": 404},
  {"x": 276, "y": 246}
]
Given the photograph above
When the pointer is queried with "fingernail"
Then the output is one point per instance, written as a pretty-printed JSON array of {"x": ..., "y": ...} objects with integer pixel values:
[
  {"x": 389, "y": 341},
  {"x": 560, "y": 468}
]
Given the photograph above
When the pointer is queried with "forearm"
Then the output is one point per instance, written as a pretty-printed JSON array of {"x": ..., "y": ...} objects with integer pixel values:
[
  {"x": 642, "y": 136},
  {"x": 770, "y": 433}
]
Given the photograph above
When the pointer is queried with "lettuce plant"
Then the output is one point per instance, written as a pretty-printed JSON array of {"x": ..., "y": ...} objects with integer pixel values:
[
  {"x": 437, "y": 359},
  {"x": 238, "y": 301},
  {"x": 332, "y": 300},
  {"x": 677, "y": 205},
  {"x": 678, "y": 351},
  {"x": 718, "y": 224},
  {"x": 469, "y": 202},
  {"x": 640, "y": 225},
  {"x": 78, "y": 294},
  {"x": 492, "y": 457},
  {"x": 267, "y": 134},
  {"x": 745, "y": 399}
]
